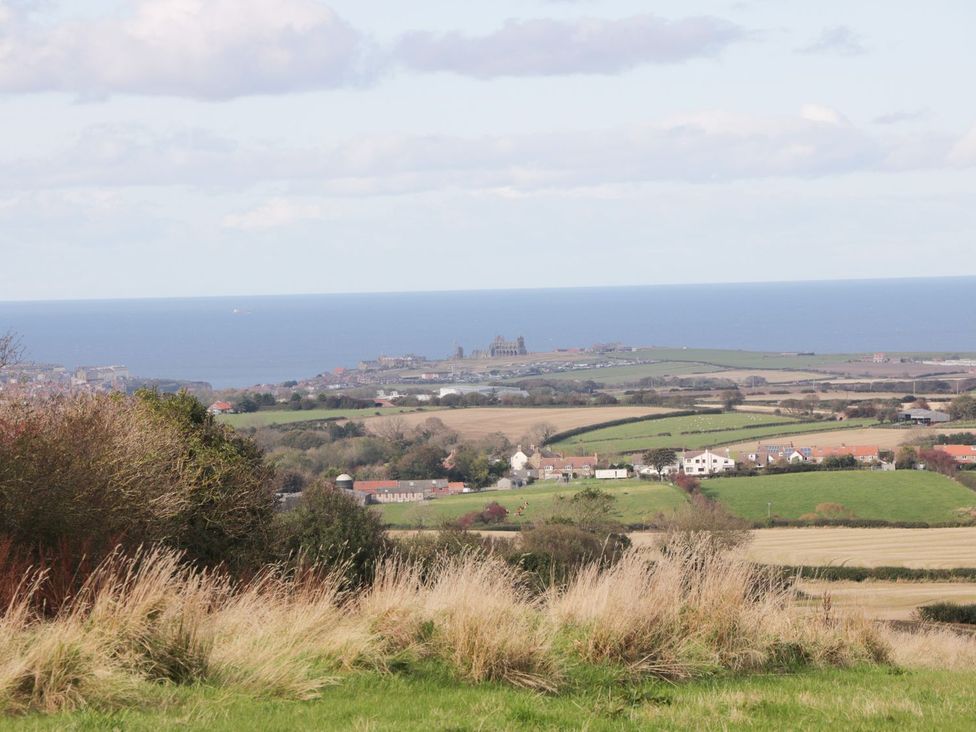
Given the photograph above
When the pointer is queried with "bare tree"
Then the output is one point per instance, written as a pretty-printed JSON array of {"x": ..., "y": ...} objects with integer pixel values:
[
  {"x": 10, "y": 349},
  {"x": 393, "y": 428},
  {"x": 540, "y": 433}
]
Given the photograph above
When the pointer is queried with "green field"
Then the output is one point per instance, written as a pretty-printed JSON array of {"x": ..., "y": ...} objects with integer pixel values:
[
  {"x": 905, "y": 495},
  {"x": 290, "y": 416},
  {"x": 705, "y": 430},
  {"x": 425, "y": 700},
  {"x": 745, "y": 359},
  {"x": 636, "y": 502},
  {"x": 617, "y": 375}
]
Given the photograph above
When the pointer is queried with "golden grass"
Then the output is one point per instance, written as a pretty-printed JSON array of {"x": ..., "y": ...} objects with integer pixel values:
[{"x": 150, "y": 619}]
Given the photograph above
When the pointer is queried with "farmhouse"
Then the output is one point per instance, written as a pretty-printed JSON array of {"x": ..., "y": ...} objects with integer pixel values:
[
  {"x": 221, "y": 408},
  {"x": 861, "y": 453},
  {"x": 962, "y": 454},
  {"x": 769, "y": 454},
  {"x": 568, "y": 467},
  {"x": 706, "y": 462}
]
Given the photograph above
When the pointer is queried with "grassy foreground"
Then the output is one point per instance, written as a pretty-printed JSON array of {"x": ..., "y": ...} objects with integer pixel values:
[
  {"x": 904, "y": 495},
  {"x": 862, "y": 699},
  {"x": 637, "y": 501}
]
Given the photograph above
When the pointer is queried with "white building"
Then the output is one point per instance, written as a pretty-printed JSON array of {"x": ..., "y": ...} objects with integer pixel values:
[
  {"x": 612, "y": 474},
  {"x": 706, "y": 462},
  {"x": 519, "y": 460}
]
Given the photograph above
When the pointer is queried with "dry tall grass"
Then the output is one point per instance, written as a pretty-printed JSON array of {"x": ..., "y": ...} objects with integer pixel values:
[{"x": 151, "y": 619}]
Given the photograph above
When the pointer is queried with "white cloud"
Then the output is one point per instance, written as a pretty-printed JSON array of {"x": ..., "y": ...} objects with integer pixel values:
[
  {"x": 588, "y": 46},
  {"x": 825, "y": 115},
  {"x": 837, "y": 39},
  {"x": 274, "y": 213},
  {"x": 208, "y": 49},
  {"x": 963, "y": 153},
  {"x": 705, "y": 147}
]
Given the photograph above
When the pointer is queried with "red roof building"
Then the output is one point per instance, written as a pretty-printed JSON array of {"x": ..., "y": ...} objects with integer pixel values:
[
  {"x": 861, "y": 453},
  {"x": 960, "y": 453}
]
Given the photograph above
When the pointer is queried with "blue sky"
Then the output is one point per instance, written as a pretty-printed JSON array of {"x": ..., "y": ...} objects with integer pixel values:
[{"x": 210, "y": 147}]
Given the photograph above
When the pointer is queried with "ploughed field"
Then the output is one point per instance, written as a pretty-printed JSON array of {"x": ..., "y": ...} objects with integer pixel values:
[
  {"x": 692, "y": 432},
  {"x": 903, "y": 495},
  {"x": 515, "y": 422}
]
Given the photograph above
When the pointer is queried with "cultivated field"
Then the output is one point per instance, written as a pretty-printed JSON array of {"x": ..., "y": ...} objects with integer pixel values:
[
  {"x": 905, "y": 495},
  {"x": 515, "y": 422},
  {"x": 693, "y": 432},
  {"x": 917, "y": 548},
  {"x": 291, "y": 416},
  {"x": 887, "y": 438},
  {"x": 888, "y": 600},
  {"x": 637, "y": 501},
  {"x": 618, "y": 375},
  {"x": 841, "y": 546}
]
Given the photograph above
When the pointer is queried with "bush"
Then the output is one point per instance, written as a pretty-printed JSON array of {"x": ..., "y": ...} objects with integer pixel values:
[
  {"x": 96, "y": 470},
  {"x": 330, "y": 528},
  {"x": 948, "y": 612},
  {"x": 553, "y": 552}
]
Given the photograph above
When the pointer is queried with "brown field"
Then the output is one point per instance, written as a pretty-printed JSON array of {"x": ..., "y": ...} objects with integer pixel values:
[
  {"x": 514, "y": 422},
  {"x": 888, "y": 600},
  {"x": 886, "y": 439},
  {"x": 826, "y": 396},
  {"x": 820, "y": 546}
]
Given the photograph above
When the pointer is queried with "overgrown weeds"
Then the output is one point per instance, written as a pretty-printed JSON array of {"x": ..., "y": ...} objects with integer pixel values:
[{"x": 148, "y": 618}]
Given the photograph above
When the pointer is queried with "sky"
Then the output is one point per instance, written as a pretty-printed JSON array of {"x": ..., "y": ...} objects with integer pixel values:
[{"x": 156, "y": 148}]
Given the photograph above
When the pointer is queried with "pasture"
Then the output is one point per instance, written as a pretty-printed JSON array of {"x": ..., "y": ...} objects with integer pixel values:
[
  {"x": 636, "y": 502},
  {"x": 904, "y": 495},
  {"x": 691, "y": 432},
  {"x": 291, "y": 416},
  {"x": 516, "y": 422}
]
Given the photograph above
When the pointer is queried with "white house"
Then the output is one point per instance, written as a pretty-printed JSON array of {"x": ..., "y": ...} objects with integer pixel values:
[
  {"x": 519, "y": 460},
  {"x": 612, "y": 474},
  {"x": 706, "y": 462}
]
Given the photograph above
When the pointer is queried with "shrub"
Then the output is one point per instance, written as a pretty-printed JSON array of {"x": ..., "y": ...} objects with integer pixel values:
[
  {"x": 701, "y": 524},
  {"x": 87, "y": 472},
  {"x": 948, "y": 612},
  {"x": 553, "y": 552},
  {"x": 330, "y": 528}
]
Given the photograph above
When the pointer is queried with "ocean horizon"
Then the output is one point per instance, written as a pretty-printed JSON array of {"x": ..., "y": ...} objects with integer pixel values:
[{"x": 239, "y": 341}]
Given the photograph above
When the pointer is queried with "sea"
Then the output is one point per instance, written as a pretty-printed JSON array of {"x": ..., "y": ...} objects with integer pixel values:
[{"x": 242, "y": 341}]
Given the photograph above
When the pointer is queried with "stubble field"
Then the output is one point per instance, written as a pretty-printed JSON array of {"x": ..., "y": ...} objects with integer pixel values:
[{"x": 515, "y": 422}]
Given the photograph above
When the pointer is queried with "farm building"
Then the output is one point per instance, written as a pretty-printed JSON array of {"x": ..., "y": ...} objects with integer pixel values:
[
  {"x": 568, "y": 467},
  {"x": 221, "y": 408},
  {"x": 861, "y": 453},
  {"x": 612, "y": 474},
  {"x": 923, "y": 416},
  {"x": 706, "y": 462}
]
